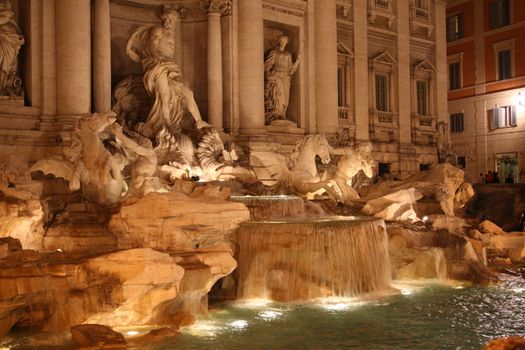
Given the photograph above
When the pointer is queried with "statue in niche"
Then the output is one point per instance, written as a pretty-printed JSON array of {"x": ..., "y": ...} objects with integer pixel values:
[
  {"x": 279, "y": 69},
  {"x": 154, "y": 47},
  {"x": 11, "y": 39}
]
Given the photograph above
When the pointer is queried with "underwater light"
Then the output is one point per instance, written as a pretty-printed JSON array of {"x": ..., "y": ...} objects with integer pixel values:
[
  {"x": 269, "y": 314},
  {"x": 336, "y": 307},
  {"x": 239, "y": 324},
  {"x": 203, "y": 329},
  {"x": 132, "y": 333},
  {"x": 407, "y": 291}
]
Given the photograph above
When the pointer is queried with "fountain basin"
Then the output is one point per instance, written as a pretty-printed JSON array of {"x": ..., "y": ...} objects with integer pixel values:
[{"x": 300, "y": 259}]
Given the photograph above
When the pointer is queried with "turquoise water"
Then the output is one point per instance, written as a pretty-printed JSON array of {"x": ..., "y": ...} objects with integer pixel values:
[{"x": 422, "y": 316}]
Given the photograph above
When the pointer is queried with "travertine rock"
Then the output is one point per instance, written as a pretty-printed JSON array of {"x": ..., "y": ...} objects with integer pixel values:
[
  {"x": 509, "y": 245},
  {"x": 396, "y": 206},
  {"x": 175, "y": 222},
  {"x": 423, "y": 254},
  {"x": 438, "y": 184},
  {"x": 449, "y": 223},
  {"x": 487, "y": 226},
  {"x": 96, "y": 336},
  {"x": 122, "y": 288},
  {"x": 154, "y": 336}
]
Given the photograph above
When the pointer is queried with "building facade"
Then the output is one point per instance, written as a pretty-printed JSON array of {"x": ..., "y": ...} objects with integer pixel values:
[
  {"x": 486, "y": 96},
  {"x": 369, "y": 70}
]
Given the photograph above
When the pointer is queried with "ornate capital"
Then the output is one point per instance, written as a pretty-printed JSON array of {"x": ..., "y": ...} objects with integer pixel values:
[{"x": 222, "y": 7}]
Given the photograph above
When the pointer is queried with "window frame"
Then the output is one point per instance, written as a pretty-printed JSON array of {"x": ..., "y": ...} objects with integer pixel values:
[
  {"x": 501, "y": 46},
  {"x": 453, "y": 59},
  {"x": 460, "y": 32},
  {"x": 386, "y": 98},
  {"x": 507, "y": 20},
  {"x": 457, "y": 122},
  {"x": 509, "y": 118}
]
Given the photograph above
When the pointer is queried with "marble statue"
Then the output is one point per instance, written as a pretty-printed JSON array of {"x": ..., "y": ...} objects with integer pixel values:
[
  {"x": 279, "y": 69},
  {"x": 299, "y": 172},
  {"x": 92, "y": 162},
  {"x": 443, "y": 142},
  {"x": 11, "y": 39},
  {"x": 354, "y": 160},
  {"x": 154, "y": 47},
  {"x": 143, "y": 163}
]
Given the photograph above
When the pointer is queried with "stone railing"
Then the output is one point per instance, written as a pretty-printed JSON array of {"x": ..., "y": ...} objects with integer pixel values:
[
  {"x": 344, "y": 113},
  {"x": 381, "y": 8},
  {"x": 384, "y": 4},
  {"x": 420, "y": 13},
  {"x": 385, "y": 117}
]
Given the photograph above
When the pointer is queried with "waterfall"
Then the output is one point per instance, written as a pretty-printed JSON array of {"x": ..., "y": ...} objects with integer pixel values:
[
  {"x": 272, "y": 207},
  {"x": 301, "y": 259}
]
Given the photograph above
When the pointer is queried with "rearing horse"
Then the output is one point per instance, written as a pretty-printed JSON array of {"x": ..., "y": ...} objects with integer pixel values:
[{"x": 299, "y": 171}]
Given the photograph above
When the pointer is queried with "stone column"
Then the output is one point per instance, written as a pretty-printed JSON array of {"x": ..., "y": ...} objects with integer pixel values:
[
  {"x": 361, "y": 96},
  {"x": 251, "y": 65},
  {"x": 404, "y": 81},
  {"x": 215, "y": 10},
  {"x": 178, "y": 35},
  {"x": 101, "y": 57},
  {"x": 326, "y": 66},
  {"x": 73, "y": 58}
]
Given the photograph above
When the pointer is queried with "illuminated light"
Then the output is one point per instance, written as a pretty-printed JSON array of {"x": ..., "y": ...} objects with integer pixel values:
[
  {"x": 239, "y": 324},
  {"x": 425, "y": 218},
  {"x": 132, "y": 333},
  {"x": 336, "y": 307},
  {"x": 459, "y": 287},
  {"x": 59, "y": 250},
  {"x": 254, "y": 303},
  {"x": 269, "y": 314},
  {"x": 407, "y": 291},
  {"x": 203, "y": 329}
]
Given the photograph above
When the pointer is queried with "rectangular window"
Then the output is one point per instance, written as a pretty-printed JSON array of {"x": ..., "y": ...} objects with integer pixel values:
[
  {"x": 455, "y": 27},
  {"x": 503, "y": 117},
  {"x": 383, "y": 168},
  {"x": 422, "y": 97},
  {"x": 504, "y": 64},
  {"x": 499, "y": 13},
  {"x": 457, "y": 122},
  {"x": 341, "y": 82},
  {"x": 424, "y": 167},
  {"x": 454, "y": 76},
  {"x": 381, "y": 92}
]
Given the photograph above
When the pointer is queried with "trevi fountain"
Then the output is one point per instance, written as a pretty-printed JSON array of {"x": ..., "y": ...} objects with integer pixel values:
[{"x": 153, "y": 220}]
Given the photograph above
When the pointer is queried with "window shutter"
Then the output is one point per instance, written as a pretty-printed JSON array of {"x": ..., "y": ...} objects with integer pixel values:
[
  {"x": 495, "y": 118},
  {"x": 513, "y": 118},
  {"x": 460, "y": 25}
]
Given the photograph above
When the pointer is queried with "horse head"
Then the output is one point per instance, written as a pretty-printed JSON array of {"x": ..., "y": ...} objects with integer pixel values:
[{"x": 321, "y": 147}]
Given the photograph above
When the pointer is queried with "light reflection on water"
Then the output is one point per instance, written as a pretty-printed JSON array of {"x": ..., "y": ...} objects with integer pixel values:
[
  {"x": 435, "y": 316},
  {"x": 422, "y": 316}
]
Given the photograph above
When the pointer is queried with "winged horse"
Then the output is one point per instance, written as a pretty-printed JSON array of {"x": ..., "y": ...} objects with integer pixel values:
[{"x": 299, "y": 171}]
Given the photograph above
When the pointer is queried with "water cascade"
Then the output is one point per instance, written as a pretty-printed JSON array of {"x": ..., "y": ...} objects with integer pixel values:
[
  {"x": 301, "y": 259},
  {"x": 272, "y": 207}
]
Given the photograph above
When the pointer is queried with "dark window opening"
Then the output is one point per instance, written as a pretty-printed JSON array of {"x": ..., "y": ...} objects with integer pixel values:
[
  {"x": 457, "y": 122},
  {"x": 424, "y": 167},
  {"x": 504, "y": 65},
  {"x": 462, "y": 162},
  {"x": 499, "y": 13},
  {"x": 384, "y": 168},
  {"x": 455, "y": 27},
  {"x": 454, "y": 76}
]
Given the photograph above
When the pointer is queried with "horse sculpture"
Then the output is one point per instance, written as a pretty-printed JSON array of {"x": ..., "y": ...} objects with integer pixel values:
[{"x": 299, "y": 171}]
